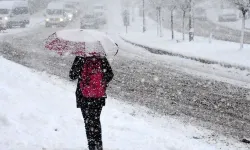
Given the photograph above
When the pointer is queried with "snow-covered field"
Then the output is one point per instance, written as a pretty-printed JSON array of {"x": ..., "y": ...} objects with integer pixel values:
[
  {"x": 38, "y": 111},
  {"x": 220, "y": 51},
  {"x": 213, "y": 15}
]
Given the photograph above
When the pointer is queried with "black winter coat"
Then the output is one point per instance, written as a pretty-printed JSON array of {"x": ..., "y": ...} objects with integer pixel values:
[{"x": 75, "y": 73}]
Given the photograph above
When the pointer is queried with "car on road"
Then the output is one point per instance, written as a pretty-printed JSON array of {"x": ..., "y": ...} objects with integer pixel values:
[
  {"x": 89, "y": 21},
  {"x": 228, "y": 15},
  {"x": 55, "y": 15},
  {"x": 14, "y": 13}
]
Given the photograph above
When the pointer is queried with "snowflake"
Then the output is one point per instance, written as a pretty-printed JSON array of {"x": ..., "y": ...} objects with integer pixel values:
[
  {"x": 156, "y": 79},
  {"x": 248, "y": 96}
]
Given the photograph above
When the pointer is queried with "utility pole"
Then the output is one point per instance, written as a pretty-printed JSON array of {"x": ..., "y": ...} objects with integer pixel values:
[{"x": 143, "y": 16}]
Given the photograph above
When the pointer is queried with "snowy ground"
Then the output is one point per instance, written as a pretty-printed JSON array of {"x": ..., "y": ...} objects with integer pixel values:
[
  {"x": 220, "y": 51},
  {"x": 34, "y": 105}
]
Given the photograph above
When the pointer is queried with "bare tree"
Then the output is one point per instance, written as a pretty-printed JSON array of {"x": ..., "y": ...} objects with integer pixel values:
[
  {"x": 158, "y": 5},
  {"x": 243, "y": 6},
  {"x": 172, "y": 6},
  {"x": 143, "y": 15},
  {"x": 184, "y": 5},
  {"x": 143, "y": 11},
  {"x": 191, "y": 26},
  {"x": 159, "y": 20}
]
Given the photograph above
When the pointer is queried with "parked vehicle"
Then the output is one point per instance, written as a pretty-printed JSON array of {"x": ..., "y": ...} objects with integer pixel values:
[
  {"x": 99, "y": 12},
  {"x": 14, "y": 13},
  {"x": 55, "y": 15},
  {"x": 89, "y": 21},
  {"x": 228, "y": 15}
]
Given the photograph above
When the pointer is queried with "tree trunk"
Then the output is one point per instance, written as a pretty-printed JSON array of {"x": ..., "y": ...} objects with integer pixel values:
[
  {"x": 160, "y": 19},
  {"x": 133, "y": 14},
  {"x": 143, "y": 16},
  {"x": 172, "y": 23},
  {"x": 242, "y": 30},
  {"x": 191, "y": 29},
  {"x": 183, "y": 25},
  {"x": 157, "y": 18}
]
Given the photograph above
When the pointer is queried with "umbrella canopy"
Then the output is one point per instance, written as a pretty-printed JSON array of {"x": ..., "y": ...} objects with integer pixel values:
[{"x": 81, "y": 43}]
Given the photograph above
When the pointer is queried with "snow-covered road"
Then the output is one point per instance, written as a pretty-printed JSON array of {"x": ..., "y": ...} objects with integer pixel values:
[
  {"x": 162, "y": 83},
  {"x": 36, "y": 21}
]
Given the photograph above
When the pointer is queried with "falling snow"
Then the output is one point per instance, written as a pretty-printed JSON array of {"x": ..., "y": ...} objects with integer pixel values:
[{"x": 169, "y": 91}]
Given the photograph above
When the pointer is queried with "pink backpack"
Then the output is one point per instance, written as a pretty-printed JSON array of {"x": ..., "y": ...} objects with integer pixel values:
[{"x": 93, "y": 84}]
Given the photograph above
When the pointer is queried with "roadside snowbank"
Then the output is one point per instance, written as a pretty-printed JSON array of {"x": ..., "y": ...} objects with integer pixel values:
[
  {"x": 221, "y": 52},
  {"x": 38, "y": 111}
]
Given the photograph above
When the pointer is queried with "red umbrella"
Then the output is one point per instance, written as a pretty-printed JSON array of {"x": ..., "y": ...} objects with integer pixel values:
[{"x": 81, "y": 43}]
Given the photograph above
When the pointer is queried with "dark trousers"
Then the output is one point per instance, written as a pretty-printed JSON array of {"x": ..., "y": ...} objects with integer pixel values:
[{"x": 93, "y": 127}]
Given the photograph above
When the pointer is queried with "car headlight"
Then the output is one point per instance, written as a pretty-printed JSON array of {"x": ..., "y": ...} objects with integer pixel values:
[
  {"x": 6, "y": 18},
  {"x": 47, "y": 19},
  {"x": 61, "y": 19}
]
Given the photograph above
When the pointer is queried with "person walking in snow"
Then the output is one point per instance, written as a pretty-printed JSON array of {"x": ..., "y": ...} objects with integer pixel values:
[{"x": 94, "y": 74}]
